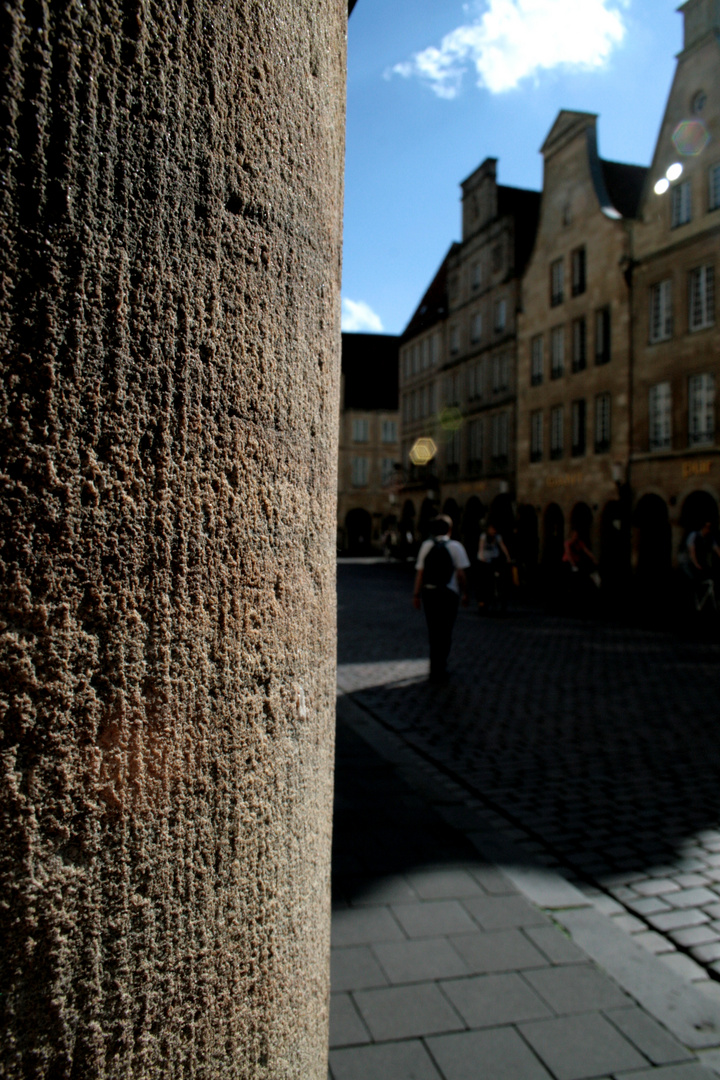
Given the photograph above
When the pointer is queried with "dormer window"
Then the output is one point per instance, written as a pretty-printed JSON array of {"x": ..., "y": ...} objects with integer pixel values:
[{"x": 699, "y": 102}]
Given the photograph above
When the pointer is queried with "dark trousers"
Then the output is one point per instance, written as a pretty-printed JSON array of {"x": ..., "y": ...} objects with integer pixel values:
[{"x": 441, "y": 608}]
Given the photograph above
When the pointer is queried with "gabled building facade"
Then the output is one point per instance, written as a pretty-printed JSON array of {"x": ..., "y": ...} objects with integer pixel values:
[
  {"x": 675, "y": 450},
  {"x": 458, "y": 353},
  {"x": 478, "y": 385},
  {"x": 574, "y": 334},
  {"x": 572, "y": 347}
]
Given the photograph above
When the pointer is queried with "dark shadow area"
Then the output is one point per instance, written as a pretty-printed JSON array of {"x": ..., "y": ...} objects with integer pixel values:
[
  {"x": 375, "y": 614},
  {"x": 381, "y": 825},
  {"x": 601, "y": 741}
]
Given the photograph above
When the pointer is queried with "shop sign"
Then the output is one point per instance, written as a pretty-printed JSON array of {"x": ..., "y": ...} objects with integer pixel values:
[
  {"x": 565, "y": 480},
  {"x": 695, "y": 468}
]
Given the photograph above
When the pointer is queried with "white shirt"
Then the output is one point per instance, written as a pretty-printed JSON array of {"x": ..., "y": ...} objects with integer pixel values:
[{"x": 457, "y": 554}]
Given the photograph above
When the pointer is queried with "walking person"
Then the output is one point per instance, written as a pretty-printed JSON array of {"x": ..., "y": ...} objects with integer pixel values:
[
  {"x": 700, "y": 547},
  {"x": 440, "y": 583},
  {"x": 583, "y": 576},
  {"x": 493, "y": 558}
]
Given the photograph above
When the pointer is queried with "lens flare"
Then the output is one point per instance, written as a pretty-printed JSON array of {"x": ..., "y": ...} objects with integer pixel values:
[
  {"x": 662, "y": 186},
  {"x": 674, "y": 171},
  {"x": 423, "y": 451},
  {"x": 691, "y": 137},
  {"x": 450, "y": 418}
]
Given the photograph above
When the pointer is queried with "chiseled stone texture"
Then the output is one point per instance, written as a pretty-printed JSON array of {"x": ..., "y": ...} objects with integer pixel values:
[{"x": 171, "y": 215}]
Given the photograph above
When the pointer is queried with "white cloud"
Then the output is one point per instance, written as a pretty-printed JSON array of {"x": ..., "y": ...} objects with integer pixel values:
[
  {"x": 358, "y": 316},
  {"x": 510, "y": 40}
]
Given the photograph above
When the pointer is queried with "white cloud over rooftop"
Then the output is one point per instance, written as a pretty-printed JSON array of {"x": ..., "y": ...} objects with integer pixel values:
[
  {"x": 506, "y": 41},
  {"x": 358, "y": 316}
]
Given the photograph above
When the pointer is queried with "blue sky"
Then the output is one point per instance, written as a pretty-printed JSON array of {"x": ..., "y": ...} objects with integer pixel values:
[{"x": 436, "y": 86}]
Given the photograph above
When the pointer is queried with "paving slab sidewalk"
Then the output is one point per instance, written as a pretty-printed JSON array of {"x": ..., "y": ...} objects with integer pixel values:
[{"x": 446, "y": 967}]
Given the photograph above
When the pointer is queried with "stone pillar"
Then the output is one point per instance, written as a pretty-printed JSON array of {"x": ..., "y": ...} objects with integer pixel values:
[{"x": 169, "y": 302}]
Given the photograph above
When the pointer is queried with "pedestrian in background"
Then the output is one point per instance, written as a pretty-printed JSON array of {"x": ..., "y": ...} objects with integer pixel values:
[
  {"x": 440, "y": 584},
  {"x": 493, "y": 558}
]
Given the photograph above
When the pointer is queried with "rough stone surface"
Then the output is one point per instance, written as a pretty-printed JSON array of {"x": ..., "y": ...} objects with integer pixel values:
[{"x": 171, "y": 212}]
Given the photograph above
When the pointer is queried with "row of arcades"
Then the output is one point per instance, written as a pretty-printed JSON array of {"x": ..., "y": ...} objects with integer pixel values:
[{"x": 642, "y": 537}]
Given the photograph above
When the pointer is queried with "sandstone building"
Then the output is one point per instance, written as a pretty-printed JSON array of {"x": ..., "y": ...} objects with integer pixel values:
[
  {"x": 458, "y": 358},
  {"x": 574, "y": 341},
  {"x": 479, "y": 368},
  {"x": 422, "y": 348},
  {"x": 675, "y": 450},
  {"x": 597, "y": 406},
  {"x": 369, "y": 448}
]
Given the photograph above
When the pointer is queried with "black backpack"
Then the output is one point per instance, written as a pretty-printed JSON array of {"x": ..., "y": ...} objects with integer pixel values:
[{"x": 439, "y": 567}]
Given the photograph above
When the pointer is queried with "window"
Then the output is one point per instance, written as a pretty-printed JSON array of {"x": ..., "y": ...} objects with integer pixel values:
[
  {"x": 602, "y": 336},
  {"x": 431, "y": 399},
  {"x": 557, "y": 428},
  {"x": 661, "y": 320},
  {"x": 425, "y": 352},
  {"x": 499, "y": 431},
  {"x": 415, "y": 359},
  {"x": 714, "y": 187},
  {"x": 360, "y": 471},
  {"x": 702, "y": 297},
  {"x": 578, "y": 271},
  {"x": 680, "y": 204},
  {"x": 701, "y": 410},
  {"x": 452, "y": 389},
  {"x": 536, "y": 435},
  {"x": 602, "y": 423},
  {"x": 557, "y": 352},
  {"x": 660, "y": 416},
  {"x": 497, "y": 258},
  {"x": 452, "y": 452},
  {"x": 455, "y": 340},
  {"x": 406, "y": 408},
  {"x": 537, "y": 360},
  {"x": 500, "y": 315},
  {"x": 578, "y": 428},
  {"x": 476, "y": 327},
  {"x": 408, "y": 363},
  {"x": 500, "y": 373},
  {"x": 389, "y": 431},
  {"x": 361, "y": 430},
  {"x": 579, "y": 343},
  {"x": 435, "y": 350},
  {"x": 475, "y": 445},
  {"x": 388, "y": 470},
  {"x": 475, "y": 381},
  {"x": 476, "y": 275},
  {"x": 557, "y": 282}
]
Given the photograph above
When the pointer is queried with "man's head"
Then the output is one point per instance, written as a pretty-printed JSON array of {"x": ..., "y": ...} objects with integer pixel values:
[
  {"x": 441, "y": 525},
  {"x": 492, "y": 529},
  {"x": 707, "y": 528}
]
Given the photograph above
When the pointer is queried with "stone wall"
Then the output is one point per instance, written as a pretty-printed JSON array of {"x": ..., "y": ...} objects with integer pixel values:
[{"x": 171, "y": 215}]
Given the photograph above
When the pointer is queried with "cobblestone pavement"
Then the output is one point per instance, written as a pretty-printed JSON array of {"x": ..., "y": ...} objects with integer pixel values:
[
  {"x": 444, "y": 967},
  {"x": 595, "y": 747}
]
